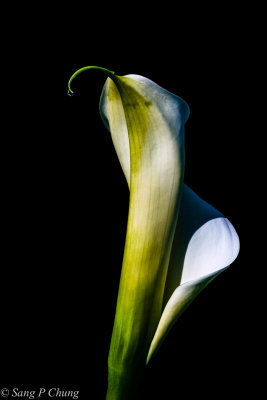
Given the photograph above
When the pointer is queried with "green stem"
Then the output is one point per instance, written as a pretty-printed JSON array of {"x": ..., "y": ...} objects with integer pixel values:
[
  {"x": 123, "y": 385},
  {"x": 109, "y": 73}
]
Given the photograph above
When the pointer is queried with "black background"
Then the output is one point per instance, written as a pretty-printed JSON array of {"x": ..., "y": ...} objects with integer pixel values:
[{"x": 66, "y": 201}]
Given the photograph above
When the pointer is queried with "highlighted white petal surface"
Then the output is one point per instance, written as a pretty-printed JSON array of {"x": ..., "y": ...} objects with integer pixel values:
[{"x": 212, "y": 247}]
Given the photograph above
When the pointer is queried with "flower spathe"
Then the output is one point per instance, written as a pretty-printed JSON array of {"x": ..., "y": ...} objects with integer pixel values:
[
  {"x": 147, "y": 128},
  {"x": 175, "y": 243}
]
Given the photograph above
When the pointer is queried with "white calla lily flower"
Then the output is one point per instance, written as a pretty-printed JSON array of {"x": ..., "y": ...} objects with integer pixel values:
[
  {"x": 205, "y": 242},
  {"x": 175, "y": 244}
]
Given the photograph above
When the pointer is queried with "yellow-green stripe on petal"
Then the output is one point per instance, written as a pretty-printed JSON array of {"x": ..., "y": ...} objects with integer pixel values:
[{"x": 154, "y": 122}]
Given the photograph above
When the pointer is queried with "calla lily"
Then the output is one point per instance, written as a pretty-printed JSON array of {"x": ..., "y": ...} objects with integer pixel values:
[{"x": 175, "y": 243}]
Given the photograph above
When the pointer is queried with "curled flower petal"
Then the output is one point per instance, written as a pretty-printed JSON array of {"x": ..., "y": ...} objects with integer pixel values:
[{"x": 205, "y": 244}]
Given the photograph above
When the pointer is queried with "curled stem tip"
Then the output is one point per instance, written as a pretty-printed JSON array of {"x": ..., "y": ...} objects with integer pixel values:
[{"x": 110, "y": 74}]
